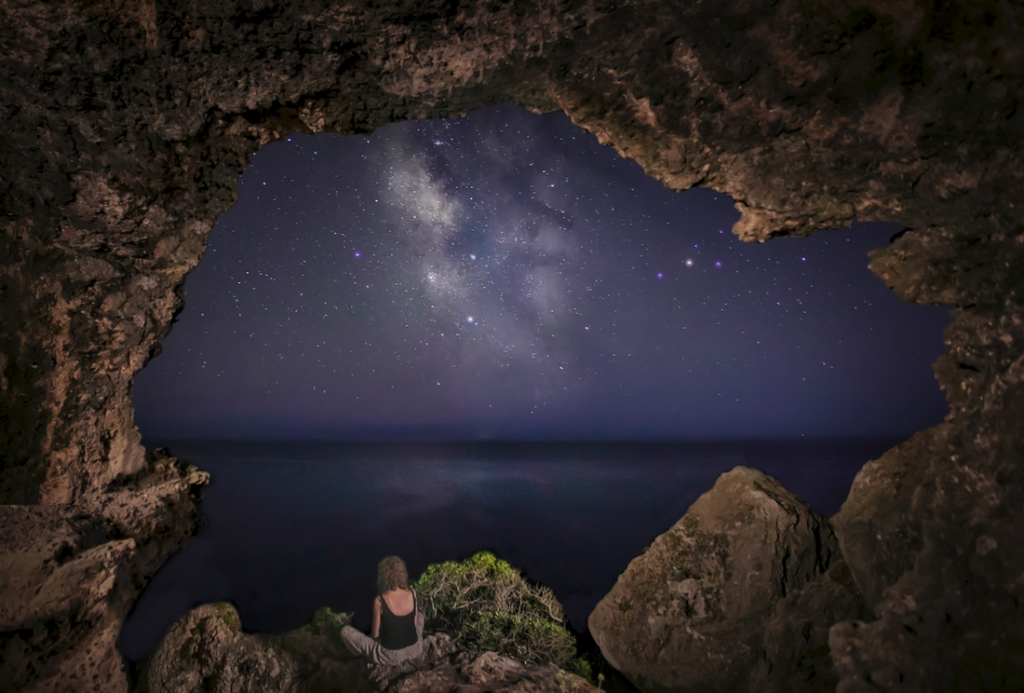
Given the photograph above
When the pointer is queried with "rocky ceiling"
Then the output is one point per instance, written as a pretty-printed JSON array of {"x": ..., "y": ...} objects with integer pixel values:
[{"x": 126, "y": 124}]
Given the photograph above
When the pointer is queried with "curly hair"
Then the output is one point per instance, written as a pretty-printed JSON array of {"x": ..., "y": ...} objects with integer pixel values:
[{"x": 392, "y": 575}]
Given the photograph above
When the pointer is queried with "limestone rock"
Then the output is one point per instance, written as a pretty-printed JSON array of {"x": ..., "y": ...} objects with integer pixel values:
[
  {"x": 480, "y": 672},
  {"x": 69, "y": 575},
  {"x": 206, "y": 650},
  {"x": 126, "y": 126},
  {"x": 956, "y": 588},
  {"x": 691, "y": 612},
  {"x": 877, "y": 535}
]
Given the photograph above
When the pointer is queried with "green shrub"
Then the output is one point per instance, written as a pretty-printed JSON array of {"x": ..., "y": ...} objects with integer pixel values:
[
  {"x": 325, "y": 620},
  {"x": 581, "y": 667},
  {"x": 485, "y": 604}
]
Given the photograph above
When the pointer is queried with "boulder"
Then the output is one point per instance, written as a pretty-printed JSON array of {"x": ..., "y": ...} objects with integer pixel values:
[
  {"x": 690, "y": 613},
  {"x": 207, "y": 651},
  {"x": 933, "y": 541},
  {"x": 877, "y": 527}
]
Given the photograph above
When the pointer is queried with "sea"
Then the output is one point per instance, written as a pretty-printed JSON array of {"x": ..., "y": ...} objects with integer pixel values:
[{"x": 290, "y": 527}]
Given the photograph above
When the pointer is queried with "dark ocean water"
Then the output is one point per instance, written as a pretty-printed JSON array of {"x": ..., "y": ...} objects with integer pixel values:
[{"x": 291, "y": 527}]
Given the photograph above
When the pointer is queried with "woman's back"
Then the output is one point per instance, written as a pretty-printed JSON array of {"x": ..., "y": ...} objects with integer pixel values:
[
  {"x": 398, "y": 619},
  {"x": 397, "y": 631}
]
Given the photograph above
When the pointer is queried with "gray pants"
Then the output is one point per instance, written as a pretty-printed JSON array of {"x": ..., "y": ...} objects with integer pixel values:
[{"x": 364, "y": 646}]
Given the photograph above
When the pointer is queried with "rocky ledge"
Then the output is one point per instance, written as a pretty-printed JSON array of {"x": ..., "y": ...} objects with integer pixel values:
[
  {"x": 69, "y": 575},
  {"x": 208, "y": 651}
]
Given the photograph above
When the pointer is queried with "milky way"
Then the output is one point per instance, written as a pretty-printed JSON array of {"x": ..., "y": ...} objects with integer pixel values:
[{"x": 506, "y": 276}]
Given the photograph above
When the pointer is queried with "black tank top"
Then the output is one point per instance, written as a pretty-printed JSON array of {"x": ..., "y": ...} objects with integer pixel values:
[{"x": 397, "y": 632}]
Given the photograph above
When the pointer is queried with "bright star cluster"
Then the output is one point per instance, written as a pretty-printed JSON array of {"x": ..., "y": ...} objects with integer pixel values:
[{"x": 506, "y": 276}]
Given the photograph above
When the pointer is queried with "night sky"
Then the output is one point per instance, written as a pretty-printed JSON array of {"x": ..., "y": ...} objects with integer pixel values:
[{"x": 505, "y": 276}]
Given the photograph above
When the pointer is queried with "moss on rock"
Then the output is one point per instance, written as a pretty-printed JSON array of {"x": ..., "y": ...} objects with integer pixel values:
[{"x": 229, "y": 614}]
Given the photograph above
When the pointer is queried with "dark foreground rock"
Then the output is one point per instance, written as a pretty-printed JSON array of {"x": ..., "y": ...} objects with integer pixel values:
[
  {"x": 795, "y": 649},
  {"x": 878, "y": 536},
  {"x": 208, "y": 651},
  {"x": 690, "y": 614},
  {"x": 933, "y": 541}
]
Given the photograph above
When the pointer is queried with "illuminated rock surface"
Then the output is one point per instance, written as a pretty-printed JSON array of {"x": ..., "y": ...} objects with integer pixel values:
[
  {"x": 126, "y": 125},
  {"x": 691, "y": 612},
  {"x": 69, "y": 575}
]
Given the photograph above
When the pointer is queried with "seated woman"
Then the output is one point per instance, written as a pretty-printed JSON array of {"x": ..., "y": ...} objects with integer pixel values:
[{"x": 397, "y": 632}]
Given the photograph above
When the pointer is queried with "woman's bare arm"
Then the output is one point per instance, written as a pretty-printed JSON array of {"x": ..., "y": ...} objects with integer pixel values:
[{"x": 375, "y": 628}]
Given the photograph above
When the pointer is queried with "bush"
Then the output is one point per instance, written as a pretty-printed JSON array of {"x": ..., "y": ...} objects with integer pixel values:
[
  {"x": 485, "y": 604},
  {"x": 581, "y": 667},
  {"x": 326, "y": 620}
]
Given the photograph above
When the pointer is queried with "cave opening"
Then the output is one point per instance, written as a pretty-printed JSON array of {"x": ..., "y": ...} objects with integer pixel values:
[
  {"x": 127, "y": 128},
  {"x": 508, "y": 279}
]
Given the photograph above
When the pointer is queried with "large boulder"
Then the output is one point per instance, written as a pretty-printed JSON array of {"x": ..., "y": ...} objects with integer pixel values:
[
  {"x": 933, "y": 542},
  {"x": 690, "y": 613}
]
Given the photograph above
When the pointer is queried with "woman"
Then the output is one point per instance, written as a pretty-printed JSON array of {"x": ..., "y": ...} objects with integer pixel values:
[{"x": 397, "y": 632}]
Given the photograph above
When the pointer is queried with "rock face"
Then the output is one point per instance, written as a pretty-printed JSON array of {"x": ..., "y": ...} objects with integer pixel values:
[
  {"x": 690, "y": 613},
  {"x": 934, "y": 544},
  {"x": 69, "y": 575},
  {"x": 796, "y": 656},
  {"x": 127, "y": 123},
  {"x": 206, "y": 650},
  {"x": 877, "y": 535}
]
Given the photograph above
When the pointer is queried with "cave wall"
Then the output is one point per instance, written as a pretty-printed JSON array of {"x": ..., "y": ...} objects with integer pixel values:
[{"x": 126, "y": 124}]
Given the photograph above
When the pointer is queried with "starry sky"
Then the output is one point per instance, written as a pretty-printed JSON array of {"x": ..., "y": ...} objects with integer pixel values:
[{"x": 505, "y": 276}]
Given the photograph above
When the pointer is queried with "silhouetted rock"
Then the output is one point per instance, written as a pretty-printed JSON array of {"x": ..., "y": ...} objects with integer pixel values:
[{"x": 691, "y": 612}]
